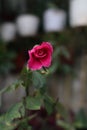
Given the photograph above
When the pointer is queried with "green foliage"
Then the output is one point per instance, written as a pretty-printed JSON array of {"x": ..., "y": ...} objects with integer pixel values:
[
  {"x": 52, "y": 105},
  {"x": 38, "y": 79},
  {"x": 57, "y": 65},
  {"x": 34, "y": 103},
  {"x": 59, "y": 41},
  {"x": 15, "y": 112},
  {"x": 81, "y": 119},
  {"x": 54, "y": 67},
  {"x": 12, "y": 87},
  {"x": 7, "y": 126},
  {"x": 10, "y": 120},
  {"x": 49, "y": 104},
  {"x": 63, "y": 67},
  {"x": 24, "y": 125},
  {"x": 62, "y": 111},
  {"x": 61, "y": 51}
]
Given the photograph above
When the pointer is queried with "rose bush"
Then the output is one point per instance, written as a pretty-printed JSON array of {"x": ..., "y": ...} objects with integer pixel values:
[
  {"x": 40, "y": 56},
  {"x": 37, "y": 110}
]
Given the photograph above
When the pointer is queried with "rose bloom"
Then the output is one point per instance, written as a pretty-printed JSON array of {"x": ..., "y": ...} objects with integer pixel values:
[{"x": 40, "y": 56}]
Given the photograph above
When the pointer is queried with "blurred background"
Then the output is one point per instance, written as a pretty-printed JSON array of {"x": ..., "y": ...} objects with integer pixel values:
[{"x": 24, "y": 23}]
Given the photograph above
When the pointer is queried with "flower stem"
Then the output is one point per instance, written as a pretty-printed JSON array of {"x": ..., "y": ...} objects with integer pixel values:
[
  {"x": 27, "y": 94},
  {"x": 27, "y": 91}
]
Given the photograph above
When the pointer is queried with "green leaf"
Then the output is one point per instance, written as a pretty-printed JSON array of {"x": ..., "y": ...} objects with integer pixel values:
[
  {"x": 57, "y": 51},
  {"x": 33, "y": 103},
  {"x": 43, "y": 90},
  {"x": 62, "y": 111},
  {"x": 49, "y": 104},
  {"x": 54, "y": 67},
  {"x": 16, "y": 111},
  {"x": 7, "y": 126},
  {"x": 38, "y": 79},
  {"x": 61, "y": 51},
  {"x": 12, "y": 87}
]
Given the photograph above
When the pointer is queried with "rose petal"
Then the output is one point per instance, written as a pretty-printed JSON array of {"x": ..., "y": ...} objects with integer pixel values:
[
  {"x": 33, "y": 63},
  {"x": 46, "y": 61},
  {"x": 48, "y": 45}
]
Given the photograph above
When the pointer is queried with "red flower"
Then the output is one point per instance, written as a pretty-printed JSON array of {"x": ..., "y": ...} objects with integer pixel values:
[{"x": 40, "y": 56}]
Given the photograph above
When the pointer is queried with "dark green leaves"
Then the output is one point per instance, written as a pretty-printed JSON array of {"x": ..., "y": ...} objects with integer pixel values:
[
  {"x": 12, "y": 87},
  {"x": 6, "y": 121},
  {"x": 62, "y": 111},
  {"x": 49, "y": 104},
  {"x": 33, "y": 103},
  {"x": 38, "y": 79},
  {"x": 61, "y": 51},
  {"x": 16, "y": 111}
]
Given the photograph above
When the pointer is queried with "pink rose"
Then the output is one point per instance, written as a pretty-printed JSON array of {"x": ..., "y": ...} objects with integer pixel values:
[{"x": 40, "y": 56}]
